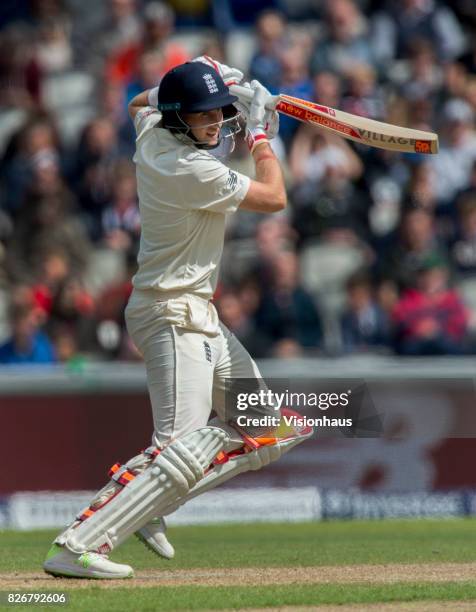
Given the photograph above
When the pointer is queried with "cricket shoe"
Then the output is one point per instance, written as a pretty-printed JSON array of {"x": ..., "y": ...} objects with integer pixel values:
[
  {"x": 62, "y": 562},
  {"x": 153, "y": 536}
]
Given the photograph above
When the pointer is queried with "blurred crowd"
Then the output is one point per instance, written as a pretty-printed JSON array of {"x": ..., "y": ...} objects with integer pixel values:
[{"x": 376, "y": 251}]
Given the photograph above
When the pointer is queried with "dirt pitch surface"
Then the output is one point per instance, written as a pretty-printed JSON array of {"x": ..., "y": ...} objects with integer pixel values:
[
  {"x": 362, "y": 574},
  {"x": 422, "y": 606}
]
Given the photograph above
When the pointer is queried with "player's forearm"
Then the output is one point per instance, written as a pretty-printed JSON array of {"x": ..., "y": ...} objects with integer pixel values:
[
  {"x": 268, "y": 169},
  {"x": 145, "y": 98},
  {"x": 140, "y": 100},
  {"x": 267, "y": 193}
]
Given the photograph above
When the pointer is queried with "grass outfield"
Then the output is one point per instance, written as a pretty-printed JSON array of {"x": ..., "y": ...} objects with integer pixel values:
[{"x": 335, "y": 561}]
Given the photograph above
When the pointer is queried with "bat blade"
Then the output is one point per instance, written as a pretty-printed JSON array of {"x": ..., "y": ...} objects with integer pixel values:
[{"x": 359, "y": 129}]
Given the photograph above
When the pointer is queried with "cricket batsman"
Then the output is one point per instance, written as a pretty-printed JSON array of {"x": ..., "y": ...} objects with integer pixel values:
[{"x": 184, "y": 127}]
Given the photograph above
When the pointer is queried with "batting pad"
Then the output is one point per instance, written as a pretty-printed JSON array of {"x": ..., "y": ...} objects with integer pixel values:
[
  {"x": 168, "y": 479},
  {"x": 272, "y": 450}
]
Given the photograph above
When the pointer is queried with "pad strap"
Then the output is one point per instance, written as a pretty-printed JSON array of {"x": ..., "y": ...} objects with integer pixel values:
[
  {"x": 229, "y": 464},
  {"x": 121, "y": 474},
  {"x": 164, "y": 482}
]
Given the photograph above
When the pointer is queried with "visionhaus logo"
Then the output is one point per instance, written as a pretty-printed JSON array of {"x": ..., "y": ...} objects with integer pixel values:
[{"x": 324, "y": 421}]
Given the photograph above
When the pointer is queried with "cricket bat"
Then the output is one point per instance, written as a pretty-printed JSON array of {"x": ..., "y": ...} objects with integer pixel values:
[{"x": 359, "y": 129}]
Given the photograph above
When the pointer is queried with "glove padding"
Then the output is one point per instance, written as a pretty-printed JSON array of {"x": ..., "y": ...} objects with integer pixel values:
[
  {"x": 230, "y": 76},
  {"x": 261, "y": 124}
]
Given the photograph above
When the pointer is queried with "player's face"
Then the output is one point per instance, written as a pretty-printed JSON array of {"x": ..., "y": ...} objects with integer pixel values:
[{"x": 206, "y": 125}]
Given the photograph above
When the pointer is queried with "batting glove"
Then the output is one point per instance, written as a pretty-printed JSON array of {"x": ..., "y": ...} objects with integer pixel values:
[
  {"x": 230, "y": 76},
  {"x": 271, "y": 119},
  {"x": 270, "y": 123},
  {"x": 261, "y": 124}
]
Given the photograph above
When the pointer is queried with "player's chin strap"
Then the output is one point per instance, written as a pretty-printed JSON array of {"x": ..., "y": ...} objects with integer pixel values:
[
  {"x": 229, "y": 127},
  {"x": 254, "y": 454}
]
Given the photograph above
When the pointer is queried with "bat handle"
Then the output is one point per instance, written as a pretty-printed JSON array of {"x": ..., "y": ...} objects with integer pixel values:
[{"x": 246, "y": 95}]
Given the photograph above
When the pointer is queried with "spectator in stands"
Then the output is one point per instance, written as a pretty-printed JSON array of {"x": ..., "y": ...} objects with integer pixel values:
[
  {"x": 364, "y": 324},
  {"x": 287, "y": 311},
  {"x": 430, "y": 318},
  {"x": 324, "y": 195},
  {"x": 34, "y": 146},
  {"x": 155, "y": 38},
  {"x": 406, "y": 20},
  {"x": 67, "y": 306},
  {"x": 234, "y": 316},
  {"x": 65, "y": 344},
  {"x": 53, "y": 269},
  {"x": 404, "y": 61},
  {"x": 455, "y": 83},
  {"x": 294, "y": 81},
  {"x": 265, "y": 64},
  {"x": 98, "y": 143},
  {"x": 27, "y": 344},
  {"x": 327, "y": 89},
  {"x": 214, "y": 47},
  {"x": 46, "y": 178},
  {"x": 72, "y": 304},
  {"x": 468, "y": 59},
  {"x": 197, "y": 14},
  {"x": 148, "y": 74},
  {"x": 424, "y": 77},
  {"x": 112, "y": 104},
  {"x": 415, "y": 242},
  {"x": 463, "y": 249},
  {"x": 53, "y": 50},
  {"x": 6, "y": 230},
  {"x": 68, "y": 310},
  {"x": 387, "y": 297},
  {"x": 47, "y": 220},
  {"x": 243, "y": 13},
  {"x": 111, "y": 335},
  {"x": 41, "y": 10},
  {"x": 315, "y": 153},
  {"x": 273, "y": 235},
  {"x": 470, "y": 93},
  {"x": 346, "y": 40},
  {"x": 120, "y": 29},
  {"x": 20, "y": 72},
  {"x": 470, "y": 187},
  {"x": 249, "y": 293},
  {"x": 421, "y": 191},
  {"x": 363, "y": 97},
  {"x": 454, "y": 162},
  {"x": 121, "y": 219},
  {"x": 97, "y": 154}
]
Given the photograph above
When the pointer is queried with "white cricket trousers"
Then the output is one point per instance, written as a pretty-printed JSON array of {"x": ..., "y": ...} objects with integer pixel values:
[{"x": 189, "y": 356}]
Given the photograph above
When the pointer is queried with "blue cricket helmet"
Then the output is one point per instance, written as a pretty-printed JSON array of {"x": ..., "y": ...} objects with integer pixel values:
[{"x": 193, "y": 87}]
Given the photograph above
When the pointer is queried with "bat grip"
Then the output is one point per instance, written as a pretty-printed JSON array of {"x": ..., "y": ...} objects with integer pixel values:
[{"x": 246, "y": 95}]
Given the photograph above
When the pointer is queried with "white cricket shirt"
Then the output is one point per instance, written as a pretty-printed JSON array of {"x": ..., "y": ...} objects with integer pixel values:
[{"x": 184, "y": 195}]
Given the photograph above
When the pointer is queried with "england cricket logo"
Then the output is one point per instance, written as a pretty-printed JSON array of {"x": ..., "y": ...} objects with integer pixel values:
[
  {"x": 211, "y": 83},
  {"x": 208, "y": 351},
  {"x": 232, "y": 180}
]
